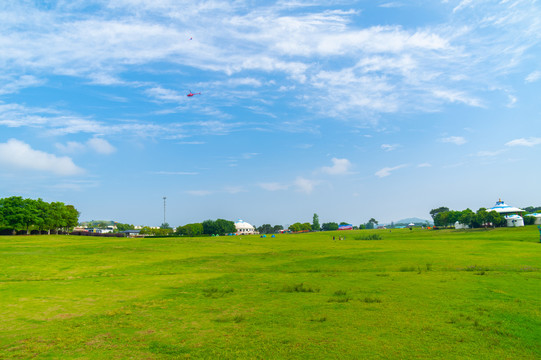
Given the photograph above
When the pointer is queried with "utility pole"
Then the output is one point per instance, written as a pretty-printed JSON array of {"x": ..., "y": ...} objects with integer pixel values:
[{"x": 164, "y": 210}]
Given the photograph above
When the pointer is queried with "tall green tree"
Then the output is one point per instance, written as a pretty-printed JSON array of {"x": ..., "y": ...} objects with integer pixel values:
[
  {"x": 195, "y": 229},
  {"x": 371, "y": 224},
  {"x": 495, "y": 218},
  {"x": 12, "y": 212},
  {"x": 315, "y": 223},
  {"x": 30, "y": 214},
  {"x": 435, "y": 212},
  {"x": 466, "y": 217},
  {"x": 300, "y": 227},
  {"x": 71, "y": 217},
  {"x": 44, "y": 210},
  {"x": 124, "y": 227},
  {"x": 218, "y": 227},
  {"x": 225, "y": 226},
  {"x": 265, "y": 229},
  {"x": 330, "y": 226},
  {"x": 58, "y": 218}
]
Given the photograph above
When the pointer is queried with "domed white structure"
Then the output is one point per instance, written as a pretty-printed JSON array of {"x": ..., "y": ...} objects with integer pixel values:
[
  {"x": 244, "y": 228},
  {"x": 511, "y": 214}
]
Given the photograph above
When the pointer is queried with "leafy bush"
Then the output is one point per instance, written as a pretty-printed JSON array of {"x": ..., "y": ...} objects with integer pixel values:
[{"x": 298, "y": 288}]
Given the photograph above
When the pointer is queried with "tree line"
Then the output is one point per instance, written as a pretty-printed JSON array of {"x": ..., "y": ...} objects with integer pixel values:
[
  {"x": 28, "y": 215},
  {"x": 207, "y": 227},
  {"x": 444, "y": 217}
]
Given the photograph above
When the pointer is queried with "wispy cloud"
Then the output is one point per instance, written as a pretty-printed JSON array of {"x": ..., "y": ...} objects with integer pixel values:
[
  {"x": 304, "y": 185},
  {"x": 166, "y": 95},
  {"x": 386, "y": 171},
  {"x": 273, "y": 186},
  {"x": 396, "y": 68},
  {"x": 389, "y": 147},
  {"x": 423, "y": 165},
  {"x": 234, "y": 189},
  {"x": 15, "y": 154},
  {"x": 457, "y": 140},
  {"x": 14, "y": 85},
  {"x": 533, "y": 76},
  {"x": 462, "y": 5},
  {"x": 490, "y": 153},
  {"x": 391, "y": 5},
  {"x": 96, "y": 144},
  {"x": 529, "y": 142},
  {"x": 57, "y": 122}
]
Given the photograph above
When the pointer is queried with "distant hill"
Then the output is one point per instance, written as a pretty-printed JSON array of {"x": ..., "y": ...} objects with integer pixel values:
[
  {"x": 413, "y": 220},
  {"x": 96, "y": 222}
]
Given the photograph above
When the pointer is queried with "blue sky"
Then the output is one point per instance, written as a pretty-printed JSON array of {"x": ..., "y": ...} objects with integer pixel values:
[{"x": 347, "y": 109}]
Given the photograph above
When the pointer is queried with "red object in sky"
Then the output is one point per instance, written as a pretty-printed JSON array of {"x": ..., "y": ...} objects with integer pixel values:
[{"x": 190, "y": 94}]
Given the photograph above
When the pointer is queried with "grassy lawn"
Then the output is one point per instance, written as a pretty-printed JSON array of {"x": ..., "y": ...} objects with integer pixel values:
[{"x": 414, "y": 294}]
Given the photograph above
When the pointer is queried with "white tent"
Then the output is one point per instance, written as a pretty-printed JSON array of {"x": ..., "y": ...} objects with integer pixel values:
[{"x": 514, "y": 220}]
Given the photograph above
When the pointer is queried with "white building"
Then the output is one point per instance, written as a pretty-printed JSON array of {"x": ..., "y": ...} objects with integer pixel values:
[
  {"x": 244, "y": 228},
  {"x": 510, "y": 213}
]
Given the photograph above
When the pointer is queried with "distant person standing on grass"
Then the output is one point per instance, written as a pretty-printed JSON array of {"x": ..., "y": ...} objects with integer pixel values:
[{"x": 539, "y": 227}]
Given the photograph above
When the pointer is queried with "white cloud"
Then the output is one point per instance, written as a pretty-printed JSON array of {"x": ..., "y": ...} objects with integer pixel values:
[
  {"x": 389, "y": 147},
  {"x": 340, "y": 167},
  {"x": 96, "y": 144},
  {"x": 386, "y": 171},
  {"x": 512, "y": 100},
  {"x": 71, "y": 147},
  {"x": 247, "y": 156},
  {"x": 19, "y": 155},
  {"x": 14, "y": 85},
  {"x": 166, "y": 95},
  {"x": 524, "y": 142},
  {"x": 533, "y": 77},
  {"x": 390, "y": 68},
  {"x": 234, "y": 189},
  {"x": 391, "y": 5},
  {"x": 192, "y": 143},
  {"x": 457, "y": 140},
  {"x": 423, "y": 165},
  {"x": 485, "y": 153},
  {"x": 304, "y": 185},
  {"x": 462, "y": 5},
  {"x": 101, "y": 146},
  {"x": 455, "y": 96}
]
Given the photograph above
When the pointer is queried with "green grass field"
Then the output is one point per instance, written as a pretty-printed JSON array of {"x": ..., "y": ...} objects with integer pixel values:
[{"x": 412, "y": 295}]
